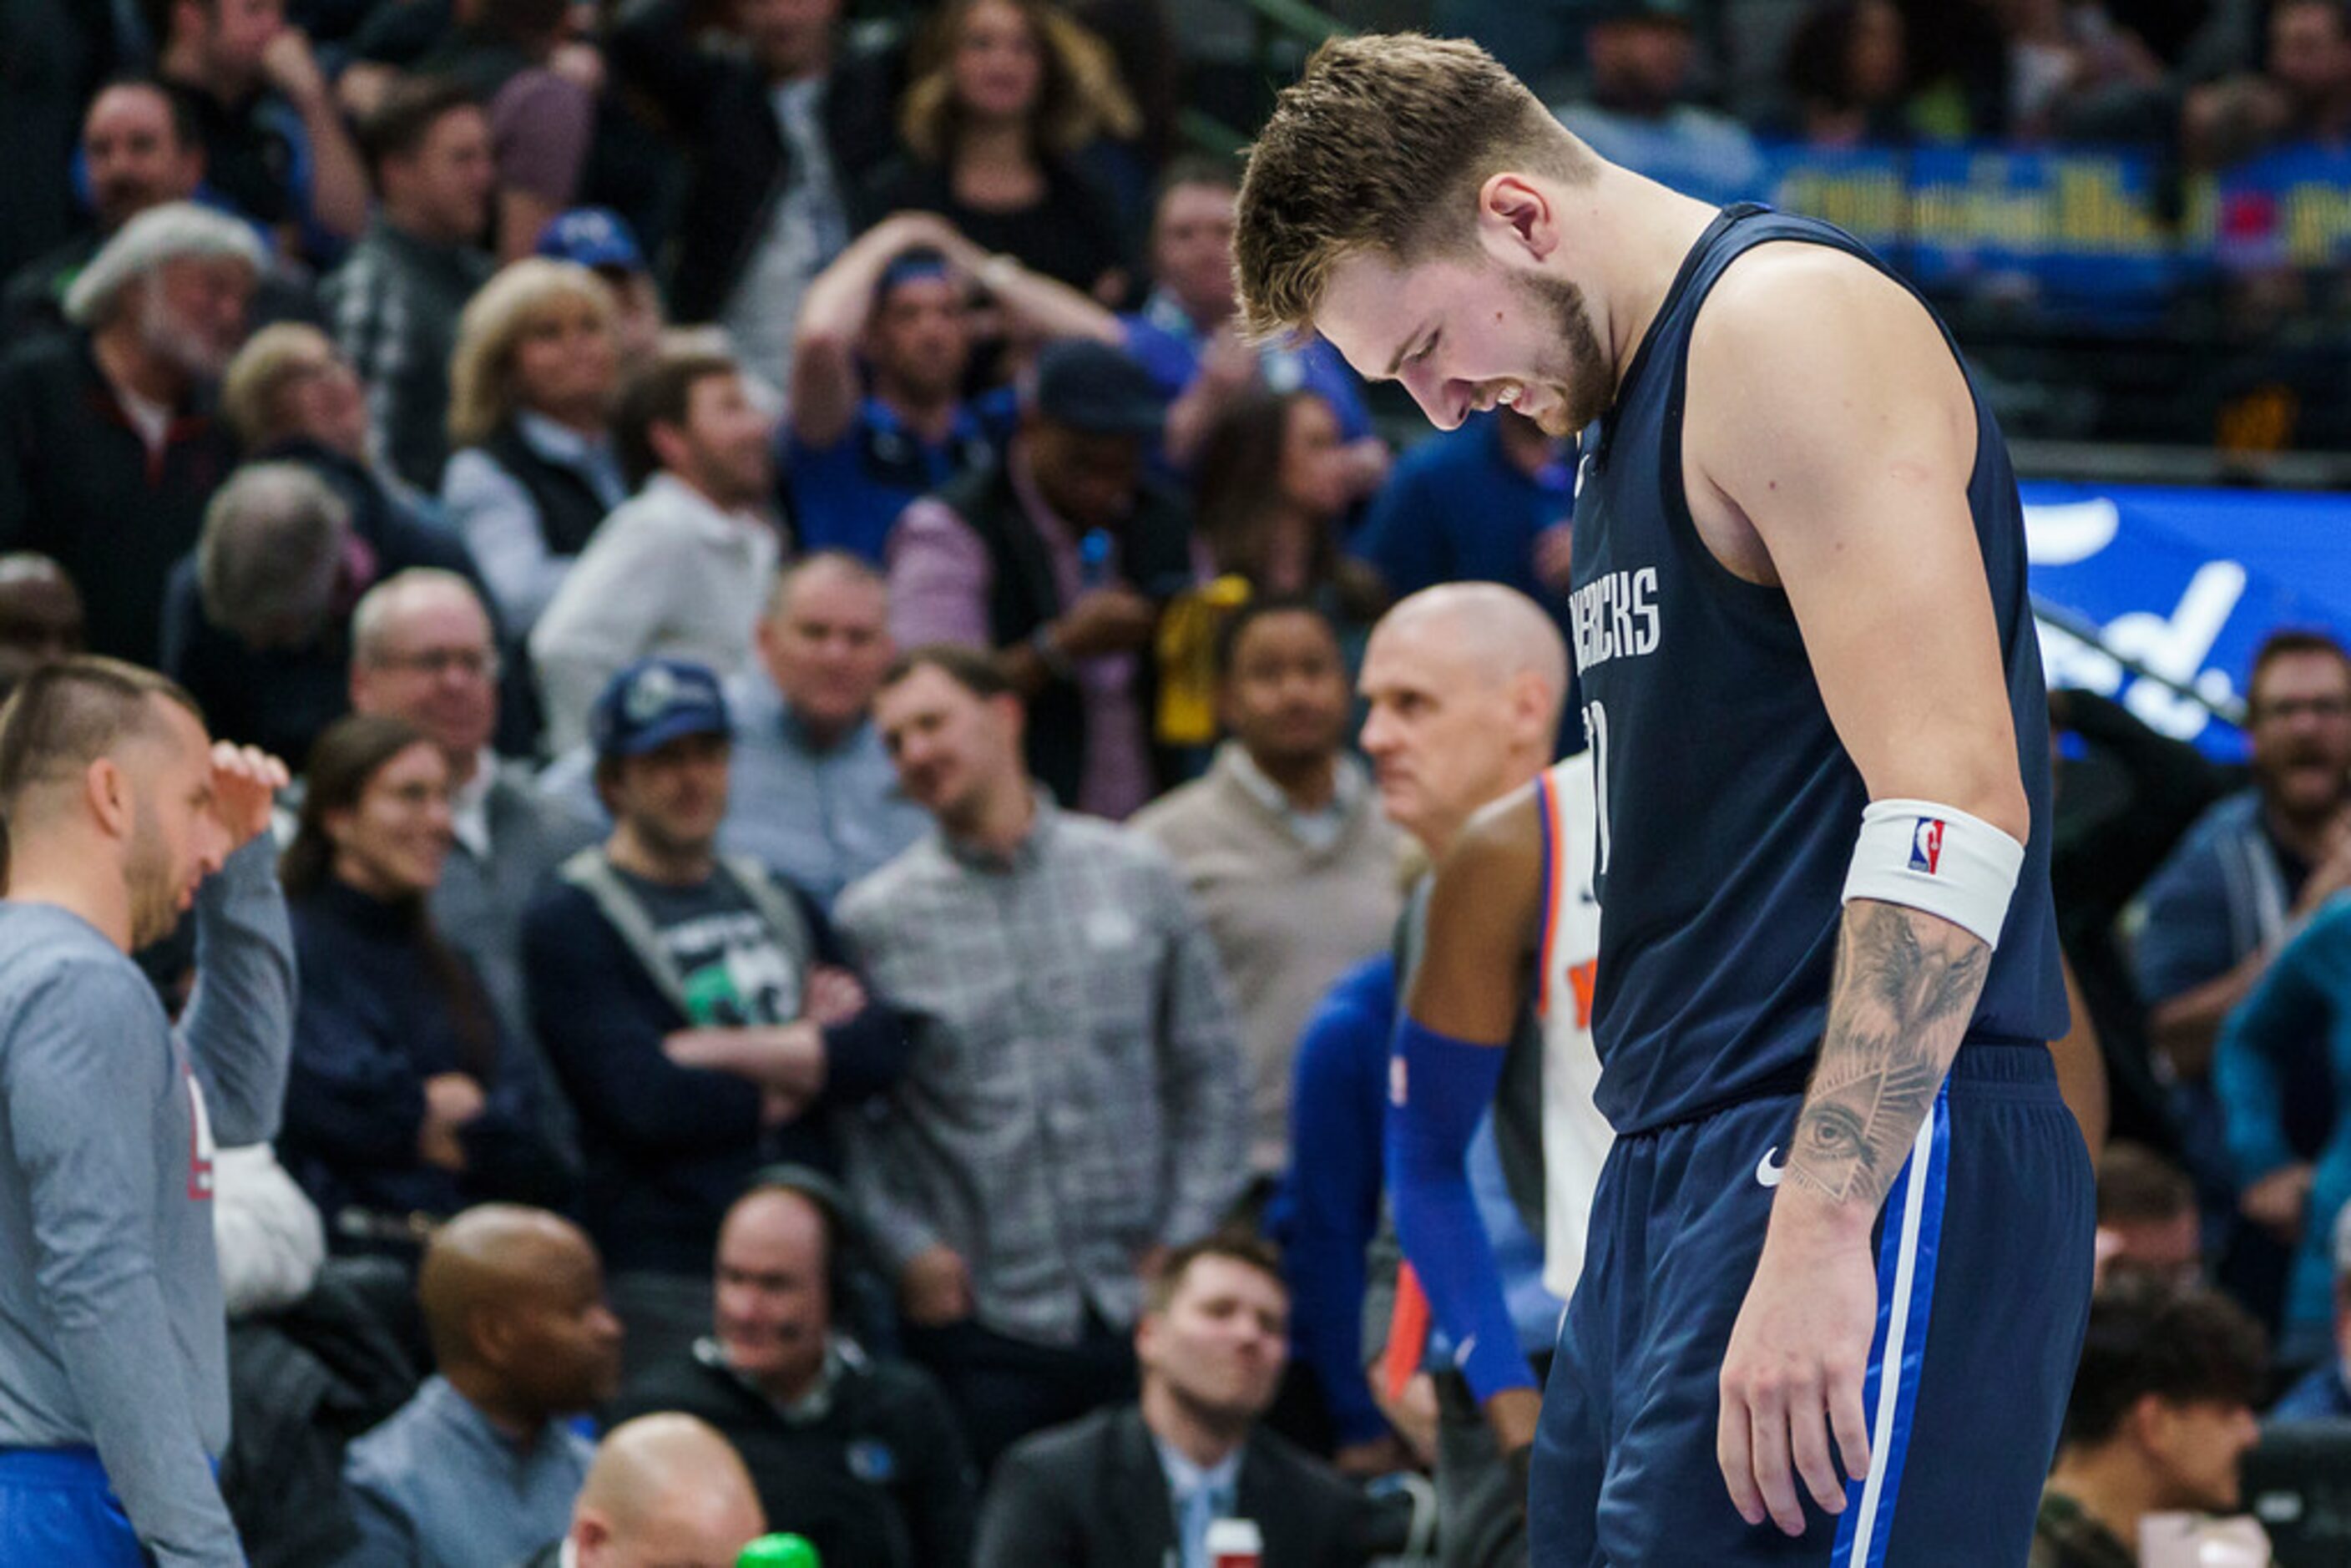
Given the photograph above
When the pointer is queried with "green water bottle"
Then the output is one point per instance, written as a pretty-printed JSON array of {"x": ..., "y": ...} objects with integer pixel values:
[{"x": 779, "y": 1552}]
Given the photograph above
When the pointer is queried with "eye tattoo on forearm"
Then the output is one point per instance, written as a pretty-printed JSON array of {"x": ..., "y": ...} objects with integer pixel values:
[{"x": 1898, "y": 1005}]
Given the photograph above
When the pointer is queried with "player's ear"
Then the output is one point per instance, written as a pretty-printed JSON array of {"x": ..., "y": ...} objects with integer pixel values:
[
  {"x": 1516, "y": 219},
  {"x": 107, "y": 787},
  {"x": 1534, "y": 708}
]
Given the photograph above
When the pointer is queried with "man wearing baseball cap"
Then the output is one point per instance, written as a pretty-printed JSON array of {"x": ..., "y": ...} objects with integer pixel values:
[
  {"x": 696, "y": 1008},
  {"x": 1058, "y": 557}
]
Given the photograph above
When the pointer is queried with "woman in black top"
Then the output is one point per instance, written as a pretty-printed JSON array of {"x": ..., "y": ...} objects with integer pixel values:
[
  {"x": 405, "y": 1101},
  {"x": 1008, "y": 99}
]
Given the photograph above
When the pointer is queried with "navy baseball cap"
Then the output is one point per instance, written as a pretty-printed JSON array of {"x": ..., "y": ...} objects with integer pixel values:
[
  {"x": 592, "y": 237},
  {"x": 653, "y": 702},
  {"x": 1099, "y": 389}
]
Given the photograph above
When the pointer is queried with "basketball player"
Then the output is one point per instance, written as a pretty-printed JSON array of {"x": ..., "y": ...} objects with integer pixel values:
[
  {"x": 1840, "y": 1254},
  {"x": 1465, "y": 683},
  {"x": 1517, "y": 879},
  {"x": 121, "y": 816}
]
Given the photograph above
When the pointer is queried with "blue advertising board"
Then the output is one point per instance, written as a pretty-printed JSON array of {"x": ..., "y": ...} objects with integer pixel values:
[{"x": 2186, "y": 582}]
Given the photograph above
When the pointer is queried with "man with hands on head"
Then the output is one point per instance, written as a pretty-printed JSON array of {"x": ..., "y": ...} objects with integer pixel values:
[
  {"x": 122, "y": 815},
  {"x": 886, "y": 334}
]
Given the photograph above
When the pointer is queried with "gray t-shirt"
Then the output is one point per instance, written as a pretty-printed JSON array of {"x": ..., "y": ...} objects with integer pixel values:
[{"x": 112, "y": 1334}]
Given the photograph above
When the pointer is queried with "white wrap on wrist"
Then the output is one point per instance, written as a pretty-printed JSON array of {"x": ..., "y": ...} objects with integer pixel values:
[{"x": 1939, "y": 859}]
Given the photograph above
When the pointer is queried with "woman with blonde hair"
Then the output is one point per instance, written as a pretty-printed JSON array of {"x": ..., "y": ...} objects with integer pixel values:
[
  {"x": 1005, "y": 96},
  {"x": 530, "y": 394}
]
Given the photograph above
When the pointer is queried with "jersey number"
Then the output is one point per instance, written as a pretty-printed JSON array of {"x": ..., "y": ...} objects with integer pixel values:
[{"x": 1595, "y": 734}]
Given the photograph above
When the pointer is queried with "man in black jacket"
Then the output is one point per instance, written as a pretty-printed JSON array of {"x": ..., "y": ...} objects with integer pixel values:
[
  {"x": 1140, "y": 1486},
  {"x": 780, "y": 136},
  {"x": 856, "y": 1451},
  {"x": 109, "y": 446}
]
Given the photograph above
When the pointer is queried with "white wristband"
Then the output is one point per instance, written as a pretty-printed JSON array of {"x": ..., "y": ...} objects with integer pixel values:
[{"x": 1937, "y": 858}]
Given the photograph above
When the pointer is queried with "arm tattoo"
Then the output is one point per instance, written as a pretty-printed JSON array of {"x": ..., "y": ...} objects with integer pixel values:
[{"x": 1905, "y": 987}]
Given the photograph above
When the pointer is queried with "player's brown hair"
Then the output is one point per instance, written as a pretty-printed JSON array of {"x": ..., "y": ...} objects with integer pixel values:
[
  {"x": 1381, "y": 147},
  {"x": 66, "y": 716}
]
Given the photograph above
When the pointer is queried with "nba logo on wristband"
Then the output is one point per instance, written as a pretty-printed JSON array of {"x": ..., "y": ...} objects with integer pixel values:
[{"x": 1927, "y": 845}]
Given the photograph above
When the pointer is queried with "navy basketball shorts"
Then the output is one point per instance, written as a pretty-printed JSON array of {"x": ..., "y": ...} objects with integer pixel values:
[
  {"x": 55, "y": 1507},
  {"x": 1984, "y": 1254}
]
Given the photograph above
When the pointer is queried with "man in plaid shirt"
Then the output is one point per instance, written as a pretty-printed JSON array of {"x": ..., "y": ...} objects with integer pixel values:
[{"x": 1074, "y": 1108}]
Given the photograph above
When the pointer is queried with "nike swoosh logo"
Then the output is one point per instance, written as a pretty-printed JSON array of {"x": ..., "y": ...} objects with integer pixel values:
[{"x": 1766, "y": 1173}]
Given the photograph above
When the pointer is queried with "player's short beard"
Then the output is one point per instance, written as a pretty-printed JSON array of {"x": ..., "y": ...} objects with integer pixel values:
[
  {"x": 1582, "y": 377},
  {"x": 147, "y": 872}
]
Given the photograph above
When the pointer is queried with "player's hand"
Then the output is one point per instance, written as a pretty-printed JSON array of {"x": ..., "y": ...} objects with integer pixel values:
[
  {"x": 1794, "y": 1371},
  {"x": 246, "y": 781},
  {"x": 935, "y": 1287}
]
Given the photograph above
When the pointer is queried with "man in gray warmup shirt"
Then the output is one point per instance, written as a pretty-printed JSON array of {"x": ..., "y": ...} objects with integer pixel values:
[{"x": 120, "y": 810}]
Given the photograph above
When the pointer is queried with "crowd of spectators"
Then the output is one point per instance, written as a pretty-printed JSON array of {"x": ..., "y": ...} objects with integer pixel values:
[{"x": 857, "y": 779}]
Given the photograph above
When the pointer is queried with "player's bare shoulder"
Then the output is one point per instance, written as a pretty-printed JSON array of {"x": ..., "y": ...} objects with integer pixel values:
[{"x": 1809, "y": 371}]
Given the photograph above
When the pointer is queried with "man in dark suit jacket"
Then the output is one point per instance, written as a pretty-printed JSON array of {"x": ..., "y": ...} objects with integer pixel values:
[{"x": 1138, "y": 1487}]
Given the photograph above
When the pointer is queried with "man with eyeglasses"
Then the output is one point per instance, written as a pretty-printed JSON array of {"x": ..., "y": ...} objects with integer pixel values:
[
  {"x": 422, "y": 650},
  {"x": 2246, "y": 878}
]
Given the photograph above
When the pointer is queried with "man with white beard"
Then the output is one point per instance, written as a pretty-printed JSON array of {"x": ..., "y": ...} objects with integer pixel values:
[{"x": 109, "y": 446}]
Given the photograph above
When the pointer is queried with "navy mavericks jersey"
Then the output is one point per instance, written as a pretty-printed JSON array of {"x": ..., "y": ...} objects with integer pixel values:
[{"x": 1726, "y": 806}]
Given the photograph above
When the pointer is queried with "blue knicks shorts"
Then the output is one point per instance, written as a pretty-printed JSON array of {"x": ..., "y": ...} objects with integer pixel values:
[
  {"x": 55, "y": 1507},
  {"x": 1983, "y": 1283}
]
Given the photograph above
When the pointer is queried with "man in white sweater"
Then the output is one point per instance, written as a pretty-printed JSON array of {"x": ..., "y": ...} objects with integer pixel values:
[{"x": 682, "y": 568}]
